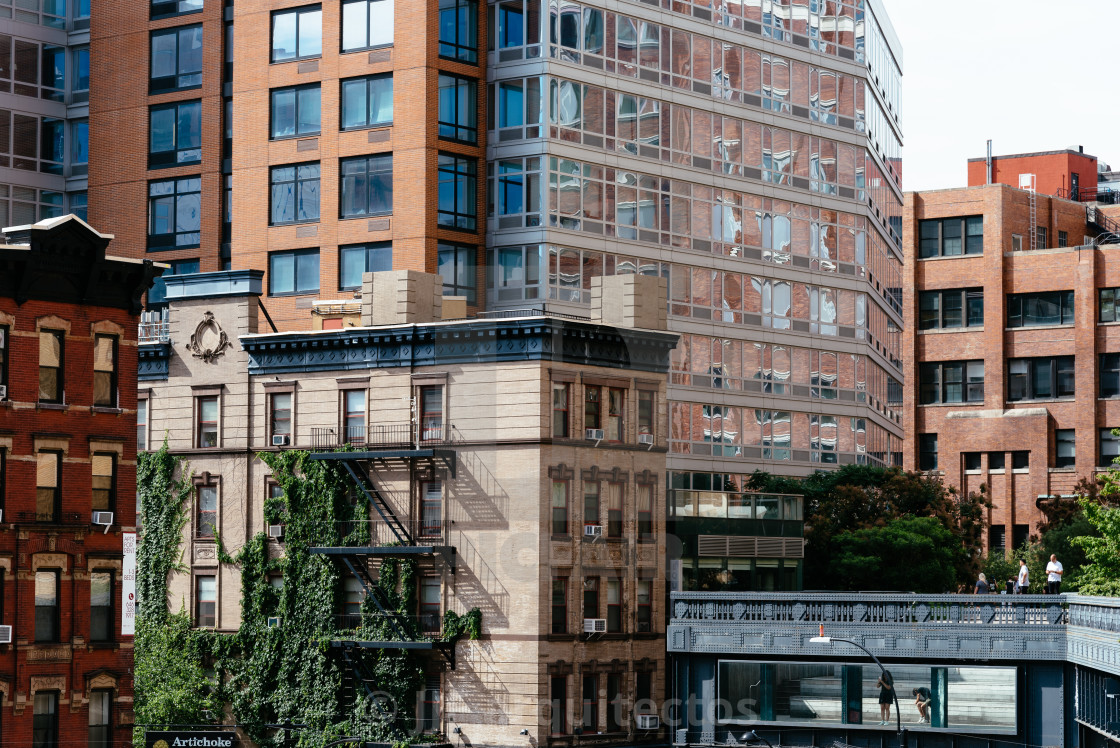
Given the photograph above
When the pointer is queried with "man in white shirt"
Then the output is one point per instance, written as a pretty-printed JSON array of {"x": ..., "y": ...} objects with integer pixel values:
[
  {"x": 1024, "y": 581},
  {"x": 1054, "y": 573}
]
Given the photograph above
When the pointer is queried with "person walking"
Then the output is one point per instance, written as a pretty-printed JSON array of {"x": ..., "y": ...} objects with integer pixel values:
[
  {"x": 1054, "y": 571},
  {"x": 886, "y": 696},
  {"x": 982, "y": 587},
  {"x": 922, "y": 700},
  {"x": 1023, "y": 583}
]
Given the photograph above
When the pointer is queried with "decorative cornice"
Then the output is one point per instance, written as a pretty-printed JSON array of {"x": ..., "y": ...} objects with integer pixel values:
[{"x": 153, "y": 361}]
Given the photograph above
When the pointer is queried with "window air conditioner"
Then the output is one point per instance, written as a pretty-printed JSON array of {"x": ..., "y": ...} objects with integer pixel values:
[
  {"x": 596, "y": 435},
  {"x": 648, "y": 722},
  {"x": 593, "y": 531},
  {"x": 275, "y": 532},
  {"x": 281, "y": 440},
  {"x": 3, "y": 392},
  {"x": 594, "y": 625},
  {"x": 5, "y": 634},
  {"x": 645, "y": 439},
  {"x": 273, "y": 621},
  {"x": 102, "y": 518}
]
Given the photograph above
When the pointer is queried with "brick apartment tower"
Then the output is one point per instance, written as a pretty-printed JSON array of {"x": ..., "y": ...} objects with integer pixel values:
[
  {"x": 1012, "y": 356},
  {"x": 68, "y": 322},
  {"x": 227, "y": 123}
]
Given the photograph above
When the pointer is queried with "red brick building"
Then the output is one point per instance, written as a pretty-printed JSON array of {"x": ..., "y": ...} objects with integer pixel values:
[
  {"x": 1012, "y": 354},
  {"x": 1066, "y": 173},
  {"x": 68, "y": 337}
]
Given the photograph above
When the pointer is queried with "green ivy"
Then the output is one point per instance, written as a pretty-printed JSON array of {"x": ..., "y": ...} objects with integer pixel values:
[{"x": 266, "y": 674}]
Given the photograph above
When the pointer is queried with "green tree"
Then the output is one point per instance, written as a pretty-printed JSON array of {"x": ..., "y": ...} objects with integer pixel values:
[
  {"x": 1101, "y": 574},
  {"x": 909, "y": 553}
]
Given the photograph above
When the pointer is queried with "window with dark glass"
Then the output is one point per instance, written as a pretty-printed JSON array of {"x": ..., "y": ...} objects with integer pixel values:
[
  {"x": 958, "y": 307},
  {"x": 354, "y": 415},
  {"x": 430, "y": 603},
  {"x": 1108, "y": 309},
  {"x": 157, "y": 294},
  {"x": 297, "y": 34},
  {"x": 53, "y": 66},
  {"x": 616, "y": 414},
  {"x": 105, "y": 370},
  {"x": 175, "y": 134},
  {"x": 971, "y": 460},
  {"x": 366, "y": 186},
  {"x": 644, "y": 614},
  {"x": 1042, "y": 378},
  {"x": 280, "y": 414},
  {"x": 81, "y": 69},
  {"x": 175, "y": 213},
  {"x": 615, "y": 494},
  {"x": 592, "y": 407},
  {"x": 79, "y": 142},
  {"x": 950, "y": 382},
  {"x": 100, "y": 718},
  {"x": 1045, "y": 308},
  {"x": 207, "y": 519},
  {"x": 207, "y": 427},
  {"x": 458, "y": 30},
  {"x": 614, "y": 700},
  {"x": 428, "y": 718},
  {"x": 46, "y": 605},
  {"x": 79, "y": 204},
  {"x": 1064, "y": 444},
  {"x": 51, "y": 349},
  {"x": 560, "y": 605},
  {"x": 646, "y": 413},
  {"x": 1063, "y": 239},
  {"x": 295, "y": 111},
  {"x": 357, "y": 259},
  {"x": 48, "y": 485},
  {"x": 431, "y": 508},
  {"x": 1040, "y": 232},
  {"x": 644, "y": 495},
  {"x": 997, "y": 538},
  {"x": 1020, "y": 460},
  {"x": 1109, "y": 448},
  {"x": 591, "y": 597},
  {"x": 1110, "y": 374},
  {"x": 561, "y": 403},
  {"x": 614, "y": 606},
  {"x": 996, "y": 460},
  {"x": 591, "y": 504},
  {"x": 511, "y": 25},
  {"x": 176, "y": 61},
  {"x": 560, "y": 507},
  {"x": 366, "y": 24},
  {"x": 558, "y": 699},
  {"x": 101, "y": 606},
  {"x": 353, "y": 593},
  {"x": 104, "y": 467},
  {"x": 293, "y": 272},
  {"x": 295, "y": 194},
  {"x": 458, "y": 108},
  {"x": 165, "y": 8},
  {"x": 950, "y": 237},
  {"x": 367, "y": 102},
  {"x": 591, "y": 703},
  {"x": 458, "y": 197},
  {"x": 927, "y": 451},
  {"x": 206, "y": 601},
  {"x": 44, "y": 729},
  {"x": 458, "y": 267},
  {"x": 52, "y": 145}
]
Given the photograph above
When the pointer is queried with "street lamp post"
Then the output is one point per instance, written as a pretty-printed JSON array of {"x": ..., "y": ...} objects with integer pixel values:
[{"x": 894, "y": 691}]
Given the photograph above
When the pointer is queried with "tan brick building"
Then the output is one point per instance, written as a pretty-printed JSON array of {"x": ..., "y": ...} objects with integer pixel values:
[
  {"x": 1011, "y": 353},
  {"x": 557, "y": 538}
]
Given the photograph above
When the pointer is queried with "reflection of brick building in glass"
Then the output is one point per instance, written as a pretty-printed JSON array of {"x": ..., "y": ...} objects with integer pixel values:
[{"x": 68, "y": 357}]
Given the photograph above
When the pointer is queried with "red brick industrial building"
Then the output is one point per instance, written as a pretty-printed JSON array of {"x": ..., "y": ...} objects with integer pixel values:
[
  {"x": 1068, "y": 173},
  {"x": 68, "y": 335}
]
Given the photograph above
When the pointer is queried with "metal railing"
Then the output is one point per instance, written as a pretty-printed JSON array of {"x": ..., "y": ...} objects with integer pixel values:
[
  {"x": 530, "y": 312},
  {"x": 427, "y": 531},
  {"x": 423, "y": 626},
  {"x": 1106, "y": 196},
  {"x": 155, "y": 332},
  {"x": 381, "y": 436}
]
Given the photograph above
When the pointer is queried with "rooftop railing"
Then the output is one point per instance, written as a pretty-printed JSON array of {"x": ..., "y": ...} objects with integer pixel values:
[{"x": 155, "y": 332}]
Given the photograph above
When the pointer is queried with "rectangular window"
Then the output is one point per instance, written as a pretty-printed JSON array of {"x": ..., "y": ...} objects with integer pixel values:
[
  {"x": 561, "y": 393},
  {"x": 615, "y": 502},
  {"x": 1109, "y": 448},
  {"x": 458, "y": 107},
  {"x": 592, "y": 407},
  {"x": 1040, "y": 232},
  {"x": 101, "y": 606},
  {"x": 1064, "y": 447},
  {"x": 166, "y": 8},
  {"x": 927, "y": 451},
  {"x": 511, "y": 26},
  {"x": 431, "y": 508},
  {"x": 206, "y": 601},
  {"x": 175, "y": 213},
  {"x": 366, "y": 186},
  {"x": 206, "y": 432},
  {"x": 294, "y": 272},
  {"x": 366, "y": 24},
  {"x": 1044, "y": 378},
  {"x": 353, "y": 593},
  {"x": 51, "y": 350},
  {"x": 958, "y": 307},
  {"x": 157, "y": 294},
  {"x": 105, "y": 370},
  {"x": 616, "y": 407},
  {"x": 46, "y": 606},
  {"x": 1110, "y": 374},
  {"x": 100, "y": 718},
  {"x": 591, "y": 597},
  {"x": 297, "y": 34},
  {"x": 950, "y": 237},
  {"x": 591, "y": 503},
  {"x": 1107, "y": 310},
  {"x": 367, "y": 102},
  {"x": 951, "y": 382},
  {"x": 207, "y": 520},
  {"x": 591, "y": 703},
  {"x": 358, "y": 259},
  {"x": 997, "y": 537},
  {"x": 560, "y": 507},
  {"x": 295, "y": 111},
  {"x": 354, "y": 416},
  {"x": 458, "y": 197},
  {"x": 142, "y": 425},
  {"x": 996, "y": 461},
  {"x": 176, "y": 59},
  {"x": 295, "y": 194},
  {"x": 48, "y": 491},
  {"x": 79, "y": 142},
  {"x": 1035, "y": 309},
  {"x": 44, "y": 731},
  {"x": 431, "y": 413},
  {"x": 458, "y": 267},
  {"x": 104, "y": 481},
  {"x": 280, "y": 415},
  {"x": 175, "y": 134},
  {"x": 644, "y": 493},
  {"x": 646, "y": 412},
  {"x": 558, "y": 701},
  {"x": 428, "y": 717},
  {"x": 614, "y": 701},
  {"x": 614, "y": 606},
  {"x": 644, "y": 615},
  {"x": 458, "y": 30},
  {"x": 81, "y": 69},
  {"x": 4, "y": 356},
  {"x": 1020, "y": 460},
  {"x": 971, "y": 461},
  {"x": 1063, "y": 239},
  {"x": 560, "y": 605},
  {"x": 430, "y": 597}
]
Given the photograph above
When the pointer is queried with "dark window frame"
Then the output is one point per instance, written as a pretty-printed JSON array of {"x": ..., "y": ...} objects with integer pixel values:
[
  {"x": 296, "y": 91},
  {"x": 298, "y": 12},
  {"x": 204, "y": 618},
  {"x": 560, "y": 515},
  {"x": 102, "y": 630},
  {"x": 201, "y": 430},
  {"x": 376, "y": 167},
  {"x": 458, "y": 48},
  {"x": 274, "y": 421},
  {"x": 966, "y": 310},
  {"x": 56, "y": 490},
  {"x": 45, "y": 725},
  {"x": 1018, "y": 308},
  {"x": 1106, "y": 437},
  {"x": 927, "y": 452},
  {"x": 368, "y": 42},
  {"x": 48, "y": 622},
  {"x": 932, "y": 244},
  {"x": 460, "y": 175},
  {"x": 614, "y": 610},
  {"x": 645, "y": 515},
  {"x": 171, "y": 8},
  {"x": 101, "y": 733},
  {"x": 464, "y": 263},
  {"x": 369, "y": 81},
  {"x": 162, "y": 84},
  {"x": 206, "y": 520},
  {"x": 944, "y": 376},
  {"x": 297, "y": 289},
  {"x": 301, "y": 191},
  {"x": 181, "y": 188},
  {"x": 111, "y": 491},
  {"x": 559, "y": 605},
  {"x": 59, "y": 396},
  {"x": 1065, "y": 437},
  {"x": 1109, "y": 297},
  {"x": 113, "y": 373},
  {"x": 1063, "y": 239},
  {"x": 369, "y": 251},
  {"x": 1061, "y": 368},
  {"x": 5, "y": 342},
  {"x": 1109, "y": 375},
  {"x": 464, "y": 96},
  {"x": 177, "y": 155},
  {"x": 562, "y": 416}
]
